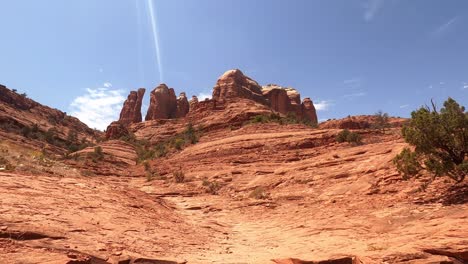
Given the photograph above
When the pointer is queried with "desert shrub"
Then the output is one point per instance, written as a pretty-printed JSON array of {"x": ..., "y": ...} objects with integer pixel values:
[
  {"x": 191, "y": 134},
  {"x": 26, "y": 131},
  {"x": 6, "y": 165},
  {"x": 342, "y": 136},
  {"x": 347, "y": 136},
  {"x": 160, "y": 150},
  {"x": 179, "y": 176},
  {"x": 290, "y": 118},
  {"x": 97, "y": 154},
  {"x": 146, "y": 151},
  {"x": 381, "y": 121},
  {"x": 211, "y": 187},
  {"x": 259, "y": 193},
  {"x": 178, "y": 143},
  {"x": 260, "y": 119},
  {"x": 440, "y": 141}
]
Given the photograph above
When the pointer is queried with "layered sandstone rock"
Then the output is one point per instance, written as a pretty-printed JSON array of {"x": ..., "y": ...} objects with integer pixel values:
[
  {"x": 131, "y": 111},
  {"x": 20, "y": 115},
  {"x": 278, "y": 98},
  {"x": 288, "y": 100},
  {"x": 183, "y": 106},
  {"x": 163, "y": 103},
  {"x": 308, "y": 110},
  {"x": 116, "y": 130},
  {"x": 234, "y": 84},
  {"x": 193, "y": 103}
]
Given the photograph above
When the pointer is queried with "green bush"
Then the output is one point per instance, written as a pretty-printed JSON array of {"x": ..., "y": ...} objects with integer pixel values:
[
  {"x": 347, "y": 136},
  {"x": 178, "y": 143},
  {"x": 407, "y": 163},
  {"x": 290, "y": 118},
  {"x": 440, "y": 141}
]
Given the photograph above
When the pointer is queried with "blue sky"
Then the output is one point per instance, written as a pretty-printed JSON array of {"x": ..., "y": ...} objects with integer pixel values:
[{"x": 350, "y": 56}]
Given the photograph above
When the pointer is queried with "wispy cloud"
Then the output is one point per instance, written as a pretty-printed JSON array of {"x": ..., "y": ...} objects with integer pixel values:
[
  {"x": 98, "y": 107},
  {"x": 404, "y": 106},
  {"x": 371, "y": 8},
  {"x": 323, "y": 105},
  {"x": 354, "y": 95},
  {"x": 202, "y": 96},
  {"x": 353, "y": 83},
  {"x": 444, "y": 27},
  {"x": 465, "y": 86},
  {"x": 107, "y": 85}
]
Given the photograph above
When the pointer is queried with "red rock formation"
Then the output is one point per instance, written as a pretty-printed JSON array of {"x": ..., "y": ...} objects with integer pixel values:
[
  {"x": 234, "y": 84},
  {"x": 183, "y": 106},
  {"x": 116, "y": 130},
  {"x": 308, "y": 110},
  {"x": 278, "y": 99},
  {"x": 163, "y": 103},
  {"x": 193, "y": 103},
  {"x": 19, "y": 114},
  {"x": 131, "y": 111}
]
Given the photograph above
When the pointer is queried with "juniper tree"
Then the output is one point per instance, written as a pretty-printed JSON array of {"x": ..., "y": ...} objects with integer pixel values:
[{"x": 440, "y": 141}]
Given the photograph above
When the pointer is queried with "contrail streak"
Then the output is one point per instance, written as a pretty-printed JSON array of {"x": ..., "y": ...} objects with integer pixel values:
[{"x": 154, "y": 27}]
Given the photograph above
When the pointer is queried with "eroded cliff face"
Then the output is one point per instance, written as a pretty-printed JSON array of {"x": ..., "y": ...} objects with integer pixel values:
[
  {"x": 163, "y": 103},
  {"x": 288, "y": 101},
  {"x": 131, "y": 110},
  {"x": 234, "y": 84}
]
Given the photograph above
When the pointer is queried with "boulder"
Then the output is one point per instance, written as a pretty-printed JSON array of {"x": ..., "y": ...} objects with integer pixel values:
[
  {"x": 234, "y": 84},
  {"x": 163, "y": 103},
  {"x": 183, "y": 106},
  {"x": 131, "y": 110}
]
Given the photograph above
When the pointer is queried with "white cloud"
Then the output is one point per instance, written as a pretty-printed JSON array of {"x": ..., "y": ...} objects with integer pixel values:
[
  {"x": 371, "y": 8},
  {"x": 404, "y": 106},
  {"x": 322, "y": 105},
  {"x": 465, "y": 86},
  {"x": 107, "y": 84},
  {"x": 201, "y": 96},
  {"x": 442, "y": 28},
  {"x": 98, "y": 107}
]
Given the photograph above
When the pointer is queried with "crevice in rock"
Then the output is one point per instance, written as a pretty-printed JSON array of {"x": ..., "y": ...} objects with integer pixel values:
[{"x": 27, "y": 235}]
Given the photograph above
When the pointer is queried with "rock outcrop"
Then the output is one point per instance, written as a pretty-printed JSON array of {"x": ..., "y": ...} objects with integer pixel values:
[
  {"x": 27, "y": 122},
  {"x": 116, "y": 130},
  {"x": 183, "y": 106},
  {"x": 163, "y": 103},
  {"x": 288, "y": 100},
  {"x": 193, "y": 103},
  {"x": 234, "y": 84},
  {"x": 278, "y": 98},
  {"x": 131, "y": 111},
  {"x": 308, "y": 110}
]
